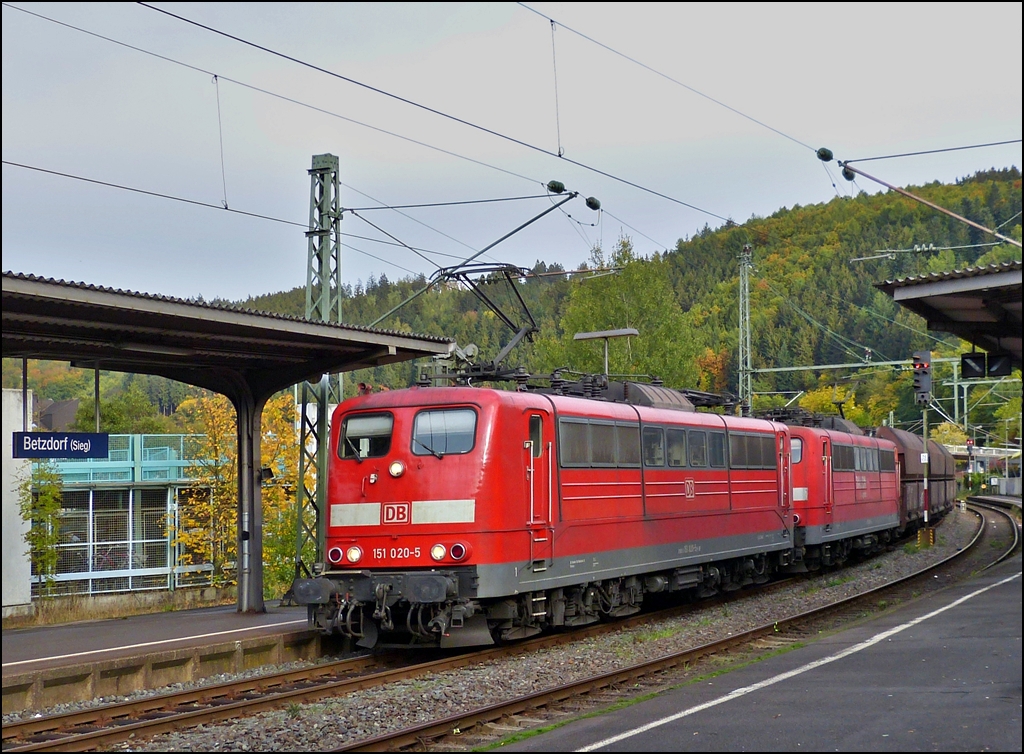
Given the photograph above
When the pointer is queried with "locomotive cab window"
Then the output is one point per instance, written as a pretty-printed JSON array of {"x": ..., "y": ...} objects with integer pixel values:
[
  {"x": 366, "y": 436},
  {"x": 796, "y": 449},
  {"x": 444, "y": 432}
]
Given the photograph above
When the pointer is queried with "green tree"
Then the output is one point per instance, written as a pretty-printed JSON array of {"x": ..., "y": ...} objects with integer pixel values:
[
  {"x": 40, "y": 497},
  {"x": 639, "y": 296},
  {"x": 948, "y": 434},
  {"x": 128, "y": 412},
  {"x": 207, "y": 516}
]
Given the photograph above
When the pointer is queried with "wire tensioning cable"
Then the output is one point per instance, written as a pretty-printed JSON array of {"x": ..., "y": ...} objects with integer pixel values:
[
  {"x": 937, "y": 151},
  {"x": 669, "y": 78}
]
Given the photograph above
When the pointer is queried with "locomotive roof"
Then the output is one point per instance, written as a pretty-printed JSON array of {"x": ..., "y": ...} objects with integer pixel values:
[{"x": 571, "y": 405}]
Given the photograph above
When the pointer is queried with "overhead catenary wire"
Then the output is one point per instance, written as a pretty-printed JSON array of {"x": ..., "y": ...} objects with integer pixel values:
[
  {"x": 277, "y": 95},
  {"x": 315, "y": 108},
  {"x": 432, "y": 110},
  {"x": 445, "y": 204},
  {"x": 155, "y": 194}
]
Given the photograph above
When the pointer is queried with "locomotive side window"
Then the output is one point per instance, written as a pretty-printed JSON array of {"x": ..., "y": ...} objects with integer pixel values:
[
  {"x": 445, "y": 432},
  {"x": 366, "y": 436},
  {"x": 752, "y": 451},
  {"x": 844, "y": 458},
  {"x": 602, "y": 444},
  {"x": 769, "y": 458},
  {"x": 676, "y": 447},
  {"x": 654, "y": 446},
  {"x": 698, "y": 442},
  {"x": 574, "y": 443},
  {"x": 796, "y": 450},
  {"x": 886, "y": 460},
  {"x": 716, "y": 450},
  {"x": 738, "y": 451},
  {"x": 583, "y": 443},
  {"x": 627, "y": 444},
  {"x": 536, "y": 435}
]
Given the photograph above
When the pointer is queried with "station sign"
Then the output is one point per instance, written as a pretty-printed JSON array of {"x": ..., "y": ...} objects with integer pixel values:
[{"x": 61, "y": 445}]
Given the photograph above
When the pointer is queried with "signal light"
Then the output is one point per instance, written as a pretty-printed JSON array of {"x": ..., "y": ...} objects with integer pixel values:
[
  {"x": 922, "y": 376},
  {"x": 999, "y": 365},
  {"x": 972, "y": 365}
]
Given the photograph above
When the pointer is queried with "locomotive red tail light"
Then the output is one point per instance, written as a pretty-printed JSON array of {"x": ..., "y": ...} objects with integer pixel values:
[
  {"x": 334, "y": 555},
  {"x": 354, "y": 554},
  {"x": 458, "y": 551}
]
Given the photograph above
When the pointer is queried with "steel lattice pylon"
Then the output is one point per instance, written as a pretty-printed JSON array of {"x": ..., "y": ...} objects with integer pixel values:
[
  {"x": 323, "y": 303},
  {"x": 746, "y": 392}
]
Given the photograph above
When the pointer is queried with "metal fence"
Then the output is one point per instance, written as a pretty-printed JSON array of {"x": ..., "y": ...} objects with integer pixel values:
[{"x": 118, "y": 536}]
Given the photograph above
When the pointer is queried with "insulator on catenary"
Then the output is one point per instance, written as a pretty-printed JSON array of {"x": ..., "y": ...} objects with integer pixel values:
[
  {"x": 825, "y": 154},
  {"x": 556, "y": 187}
]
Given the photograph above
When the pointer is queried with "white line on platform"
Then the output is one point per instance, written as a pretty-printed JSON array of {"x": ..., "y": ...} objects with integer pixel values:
[{"x": 791, "y": 673}]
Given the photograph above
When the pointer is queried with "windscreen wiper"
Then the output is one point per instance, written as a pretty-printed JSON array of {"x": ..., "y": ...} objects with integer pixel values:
[
  {"x": 355, "y": 450},
  {"x": 437, "y": 454}
]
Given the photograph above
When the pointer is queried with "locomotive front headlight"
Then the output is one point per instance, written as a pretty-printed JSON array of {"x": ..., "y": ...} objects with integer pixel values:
[
  {"x": 354, "y": 554},
  {"x": 396, "y": 469},
  {"x": 437, "y": 552}
]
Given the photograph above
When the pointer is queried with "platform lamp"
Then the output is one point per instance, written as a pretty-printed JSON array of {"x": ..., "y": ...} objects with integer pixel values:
[{"x": 605, "y": 335}]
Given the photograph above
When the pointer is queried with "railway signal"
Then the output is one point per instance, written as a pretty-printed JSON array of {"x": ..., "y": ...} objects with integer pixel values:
[{"x": 922, "y": 376}]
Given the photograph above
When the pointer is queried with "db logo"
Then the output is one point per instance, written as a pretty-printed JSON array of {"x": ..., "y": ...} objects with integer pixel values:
[
  {"x": 690, "y": 493},
  {"x": 395, "y": 513}
]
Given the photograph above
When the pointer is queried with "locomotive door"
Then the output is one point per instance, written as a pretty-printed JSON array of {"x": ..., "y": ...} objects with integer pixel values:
[
  {"x": 539, "y": 460},
  {"x": 782, "y": 461},
  {"x": 828, "y": 492}
]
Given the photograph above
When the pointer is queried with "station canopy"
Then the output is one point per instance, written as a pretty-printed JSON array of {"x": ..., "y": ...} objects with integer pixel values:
[
  {"x": 209, "y": 345},
  {"x": 981, "y": 305}
]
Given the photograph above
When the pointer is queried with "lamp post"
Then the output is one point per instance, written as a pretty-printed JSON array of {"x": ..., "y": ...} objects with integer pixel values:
[{"x": 605, "y": 334}]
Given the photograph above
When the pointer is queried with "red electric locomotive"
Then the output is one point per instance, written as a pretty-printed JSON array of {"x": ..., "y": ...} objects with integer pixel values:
[
  {"x": 846, "y": 493},
  {"x": 457, "y": 515}
]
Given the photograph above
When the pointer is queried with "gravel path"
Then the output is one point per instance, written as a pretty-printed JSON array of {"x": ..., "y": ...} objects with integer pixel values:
[{"x": 331, "y": 723}]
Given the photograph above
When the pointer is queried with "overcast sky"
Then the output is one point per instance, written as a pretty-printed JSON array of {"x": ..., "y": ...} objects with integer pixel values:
[{"x": 861, "y": 79}]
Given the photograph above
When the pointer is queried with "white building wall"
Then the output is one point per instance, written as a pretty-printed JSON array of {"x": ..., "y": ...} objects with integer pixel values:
[{"x": 17, "y": 569}]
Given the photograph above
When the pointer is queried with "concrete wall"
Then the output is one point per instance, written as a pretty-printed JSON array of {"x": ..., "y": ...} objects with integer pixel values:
[{"x": 17, "y": 569}]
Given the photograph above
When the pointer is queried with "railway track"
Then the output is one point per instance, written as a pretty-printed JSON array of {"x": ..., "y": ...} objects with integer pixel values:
[{"x": 140, "y": 719}]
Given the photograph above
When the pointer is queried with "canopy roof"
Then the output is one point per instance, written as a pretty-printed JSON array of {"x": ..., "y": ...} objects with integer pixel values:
[{"x": 982, "y": 305}]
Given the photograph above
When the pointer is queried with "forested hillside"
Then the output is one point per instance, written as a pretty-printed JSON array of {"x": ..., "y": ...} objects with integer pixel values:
[{"x": 812, "y": 302}]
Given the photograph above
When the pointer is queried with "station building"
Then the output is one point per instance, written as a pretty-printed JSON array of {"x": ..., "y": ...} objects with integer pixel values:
[{"x": 118, "y": 517}]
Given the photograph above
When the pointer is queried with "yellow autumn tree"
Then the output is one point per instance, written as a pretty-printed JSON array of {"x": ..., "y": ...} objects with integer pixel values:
[{"x": 208, "y": 511}]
